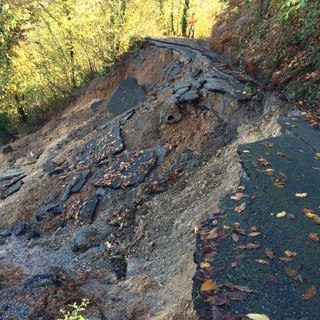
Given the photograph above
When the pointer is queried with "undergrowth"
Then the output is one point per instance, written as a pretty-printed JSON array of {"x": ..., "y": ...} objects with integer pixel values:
[{"x": 277, "y": 41}]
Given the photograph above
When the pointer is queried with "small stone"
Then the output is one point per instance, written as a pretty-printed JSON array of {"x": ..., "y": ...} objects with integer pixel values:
[
  {"x": 20, "y": 229},
  {"x": 3, "y": 254},
  {"x": 6, "y": 149},
  {"x": 33, "y": 235},
  {"x": 84, "y": 238}
]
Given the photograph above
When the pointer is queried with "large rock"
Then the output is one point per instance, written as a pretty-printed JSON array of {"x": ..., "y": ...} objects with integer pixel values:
[{"x": 83, "y": 238}]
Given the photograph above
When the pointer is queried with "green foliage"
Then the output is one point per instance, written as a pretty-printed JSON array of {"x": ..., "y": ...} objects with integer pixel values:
[
  {"x": 75, "y": 313},
  {"x": 291, "y": 7}
]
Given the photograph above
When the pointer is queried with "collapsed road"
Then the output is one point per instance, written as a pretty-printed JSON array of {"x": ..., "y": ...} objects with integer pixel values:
[{"x": 103, "y": 201}]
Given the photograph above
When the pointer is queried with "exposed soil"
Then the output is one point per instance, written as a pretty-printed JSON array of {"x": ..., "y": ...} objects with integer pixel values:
[{"x": 137, "y": 262}]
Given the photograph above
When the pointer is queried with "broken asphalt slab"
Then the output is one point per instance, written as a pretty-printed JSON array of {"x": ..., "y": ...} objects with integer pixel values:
[{"x": 259, "y": 253}]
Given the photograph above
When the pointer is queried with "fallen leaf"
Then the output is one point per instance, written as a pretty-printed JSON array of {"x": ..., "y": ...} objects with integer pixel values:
[
  {"x": 285, "y": 259},
  {"x": 204, "y": 265},
  {"x": 253, "y": 228},
  {"x": 241, "y": 256},
  {"x": 292, "y": 273},
  {"x": 272, "y": 278},
  {"x": 289, "y": 253},
  {"x": 282, "y": 154},
  {"x": 268, "y": 172},
  {"x": 314, "y": 237},
  {"x": 209, "y": 285},
  {"x": 290, "y": 216},
  {"x": 269, "y": 253},
  {"x": 246, "y": 151},
  {"x": 310, "y": 293},
  {"x": 216, "y": 300},
  {"x": 253, "y": 234},
  {"x": 244, "y": 289},
  {"x": 229, "y": 285},
  {"x": 281, "y": 214},
  {"x": 234, "y": 264},
  {"x": 262, "y": 161},
  {"x": 279, "y": 184},
  {"x": 213, "y": 234},
  {"x": 318, "y": 155},
  {"x": 269, "y": 144},
  {"x": 236, "y": 295},
  {"x": 301, "y": 195},
  {"x": 257, "y": 316},
  {"x": 249, "y": 246},
  {"x": 235, "y": 237},
  {"x": 241, "y": 188},
  {"x": 261, "y": 261},
  {"x": 311, "y": 215},
  {"x": 240, "y": 208},
  {"x": 237, "y": 196}
]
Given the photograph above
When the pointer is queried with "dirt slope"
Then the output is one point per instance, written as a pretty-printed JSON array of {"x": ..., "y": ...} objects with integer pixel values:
[{"x": 124, "y": 238}]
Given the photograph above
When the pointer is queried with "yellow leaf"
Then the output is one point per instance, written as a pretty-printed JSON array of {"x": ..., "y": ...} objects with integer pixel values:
[
  {"x": 318, "y": 155},
  {"x": 281, "y": 214},
  {"x": 204, "y": 265},
  {"x": 301, "y": 195},
  {"x": 209, "y": 285},
  {"x": 257, "y": 316},
  {"x": 310, "y": 293}
]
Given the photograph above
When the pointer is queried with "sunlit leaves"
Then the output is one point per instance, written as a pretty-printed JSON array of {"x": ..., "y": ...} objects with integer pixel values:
[
  {"x": 311, "y": 215},
  {"x": 281, "y": 214},
  {"x": 209, "y": 285},
  {"x": 301, "y": 195},
  {"x": 257, "y": 316}
]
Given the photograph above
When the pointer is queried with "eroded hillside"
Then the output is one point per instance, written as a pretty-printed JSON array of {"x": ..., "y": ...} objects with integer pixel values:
[{"x": 102, "y": 202}]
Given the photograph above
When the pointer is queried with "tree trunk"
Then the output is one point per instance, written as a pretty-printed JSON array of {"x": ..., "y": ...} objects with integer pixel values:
[{"x": 184, "y": 21}]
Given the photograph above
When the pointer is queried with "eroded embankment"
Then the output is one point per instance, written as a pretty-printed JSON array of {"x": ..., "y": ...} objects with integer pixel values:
[{"x": 104, "y": 206}]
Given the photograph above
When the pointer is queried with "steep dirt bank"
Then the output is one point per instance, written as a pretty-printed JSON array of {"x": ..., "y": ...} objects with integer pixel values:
[{"x": 105, "y": 210}]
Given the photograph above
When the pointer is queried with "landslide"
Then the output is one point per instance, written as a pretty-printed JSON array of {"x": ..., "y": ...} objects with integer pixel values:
[{"x": 102, "y": 201}]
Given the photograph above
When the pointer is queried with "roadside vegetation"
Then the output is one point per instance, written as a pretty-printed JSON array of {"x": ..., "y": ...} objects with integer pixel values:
[
  {"x": 276, "y": 41},
  {"x": 50, "y": 48}
]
